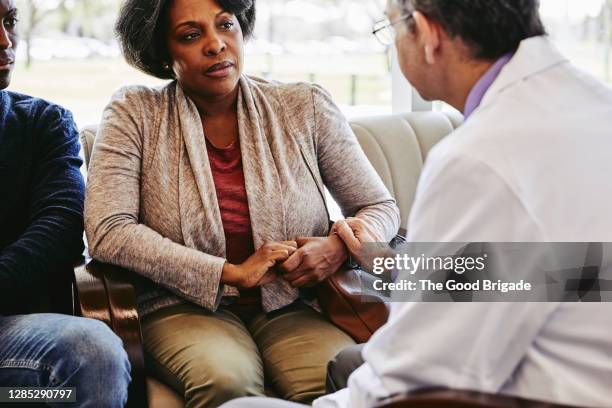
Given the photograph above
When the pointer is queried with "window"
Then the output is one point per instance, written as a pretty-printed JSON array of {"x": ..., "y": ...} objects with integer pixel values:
[
  {"x": 327, "y": 42},
  {"x": 68, "y": 53},
  {"x": 583, "y": 31}
]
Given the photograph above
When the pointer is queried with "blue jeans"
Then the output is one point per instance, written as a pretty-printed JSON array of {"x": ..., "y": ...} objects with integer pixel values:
[{"x": 52, "y": 350}]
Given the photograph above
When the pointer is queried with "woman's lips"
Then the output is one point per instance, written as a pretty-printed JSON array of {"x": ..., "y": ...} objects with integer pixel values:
[
  {"x": 220, "y": 70},
  {"x": 5, "y": 65}
]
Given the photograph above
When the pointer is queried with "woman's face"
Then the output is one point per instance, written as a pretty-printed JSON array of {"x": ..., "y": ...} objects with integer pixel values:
[{"x": 205, "y": 46}]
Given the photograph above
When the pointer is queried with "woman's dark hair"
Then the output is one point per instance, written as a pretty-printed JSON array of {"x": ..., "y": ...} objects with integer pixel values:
[
  {"x": 142, "y": 26},
  {"x": 491, "y": 28}
]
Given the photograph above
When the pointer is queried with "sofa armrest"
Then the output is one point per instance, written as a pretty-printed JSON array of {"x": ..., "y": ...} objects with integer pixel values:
[
  {"x": 105, "y": 292},
  {"x": 444, "y": 398}
]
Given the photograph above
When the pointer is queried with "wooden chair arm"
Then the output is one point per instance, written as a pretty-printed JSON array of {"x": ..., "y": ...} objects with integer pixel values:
[
  {"x": 443, "y": 398},
  {"x": 104, "y": 292}
]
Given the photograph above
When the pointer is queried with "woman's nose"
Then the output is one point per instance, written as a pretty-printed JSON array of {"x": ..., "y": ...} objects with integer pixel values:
[{"x": 214, "y": 46}]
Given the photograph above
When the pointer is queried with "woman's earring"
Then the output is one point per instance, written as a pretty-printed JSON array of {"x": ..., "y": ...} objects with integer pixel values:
[{"x": 166, "y": 66}]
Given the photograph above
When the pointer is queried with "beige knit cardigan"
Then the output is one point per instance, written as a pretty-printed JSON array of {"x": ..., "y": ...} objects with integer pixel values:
[{"x": 151, "y": 205}]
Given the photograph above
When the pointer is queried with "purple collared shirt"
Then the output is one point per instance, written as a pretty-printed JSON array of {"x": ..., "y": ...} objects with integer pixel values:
[{"x": 482, "y": 86}]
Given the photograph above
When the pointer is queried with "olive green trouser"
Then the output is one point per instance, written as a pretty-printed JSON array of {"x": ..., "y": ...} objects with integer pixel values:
[{"x": 211, "y": 358}]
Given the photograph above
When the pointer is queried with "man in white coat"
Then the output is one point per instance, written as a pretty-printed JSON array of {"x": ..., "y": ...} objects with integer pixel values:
[{"x": 532, "y": 162}]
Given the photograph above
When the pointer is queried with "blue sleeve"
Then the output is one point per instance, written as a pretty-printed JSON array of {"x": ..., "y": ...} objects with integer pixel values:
[{"x": 54, "y": 235}]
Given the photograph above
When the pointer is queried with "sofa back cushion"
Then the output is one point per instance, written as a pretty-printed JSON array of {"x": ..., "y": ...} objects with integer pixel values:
[{"x": 397, "y": 146}]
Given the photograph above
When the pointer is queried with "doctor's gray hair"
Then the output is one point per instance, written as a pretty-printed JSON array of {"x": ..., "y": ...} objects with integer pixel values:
[
  {"x": 142, "y": 26},
  {"x": 491, "y": 28}
]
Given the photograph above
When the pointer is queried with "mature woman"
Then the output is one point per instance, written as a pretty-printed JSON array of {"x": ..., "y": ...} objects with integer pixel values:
[{"x": 207, "y": 188}]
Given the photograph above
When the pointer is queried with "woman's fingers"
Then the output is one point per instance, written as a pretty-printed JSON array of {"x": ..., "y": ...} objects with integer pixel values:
[
  {"x": 364, "y": 231},
  {"x": 295, "y": 272},
  {"x": 347, "y": 234},
  {"x": 293, "y": 244},
  {"x": 292, "y": 262},
  {"x": 279, "y": 255},
  {"x": 309, "y": 279},
  {"x": 289, "y": 246}
]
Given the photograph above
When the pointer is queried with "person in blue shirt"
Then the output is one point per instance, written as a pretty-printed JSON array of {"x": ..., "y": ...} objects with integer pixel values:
[{"x": 41, "y": 235}]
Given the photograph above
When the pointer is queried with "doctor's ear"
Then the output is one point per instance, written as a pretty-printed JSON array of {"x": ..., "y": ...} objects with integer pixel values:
[{"x": 429, "y": 35}]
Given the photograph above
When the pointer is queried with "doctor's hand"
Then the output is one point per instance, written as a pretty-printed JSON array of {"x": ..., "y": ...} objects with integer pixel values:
[
  {"x": 258, "y": 269},
  {"x": 356, "y": 232},
  {"x": 316, "y": 259}
]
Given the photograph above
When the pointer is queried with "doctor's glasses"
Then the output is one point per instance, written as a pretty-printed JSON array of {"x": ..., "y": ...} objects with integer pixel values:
[{"x": 384, "y": 30}]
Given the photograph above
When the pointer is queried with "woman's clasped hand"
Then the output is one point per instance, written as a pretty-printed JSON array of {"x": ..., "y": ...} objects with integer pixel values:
[{"x": 303, "y": 263}]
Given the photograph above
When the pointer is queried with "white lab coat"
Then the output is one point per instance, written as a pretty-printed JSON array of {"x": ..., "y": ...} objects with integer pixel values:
[{"x": 533, "y": 163}]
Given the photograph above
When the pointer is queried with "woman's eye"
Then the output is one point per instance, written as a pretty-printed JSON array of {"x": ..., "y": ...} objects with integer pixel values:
[
  {"x": 228, "y": 25},
  {"x": 11, "y": 22},
  {"x": 189, "y": 37}
]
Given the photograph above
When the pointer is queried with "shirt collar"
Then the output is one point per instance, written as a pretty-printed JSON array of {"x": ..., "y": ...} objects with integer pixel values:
[{"x": 484, "y": 83}]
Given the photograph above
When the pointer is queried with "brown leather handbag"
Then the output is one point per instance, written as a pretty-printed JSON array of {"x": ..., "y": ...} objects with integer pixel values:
[
  {"x": 344, "y": 302},
  {"x": 340, "y": 296}
]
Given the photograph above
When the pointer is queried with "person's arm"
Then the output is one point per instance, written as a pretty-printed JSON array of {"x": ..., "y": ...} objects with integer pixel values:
[
  {"x": 354, "y": 184},
  {"x": 347, "y": 172},
  {"x": 54, "y": 236}
]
